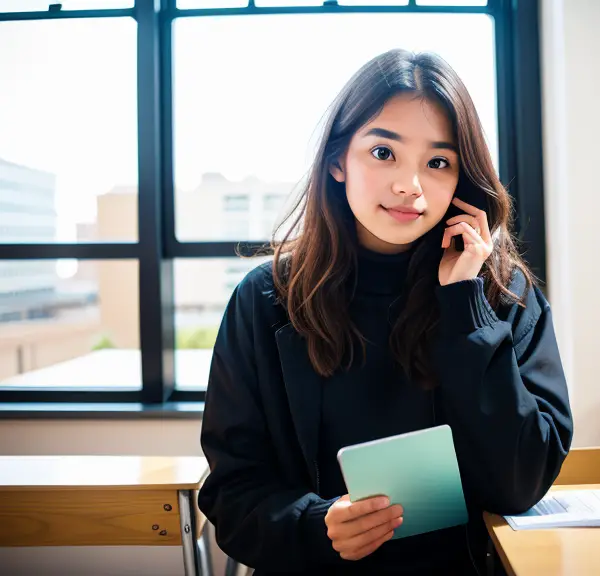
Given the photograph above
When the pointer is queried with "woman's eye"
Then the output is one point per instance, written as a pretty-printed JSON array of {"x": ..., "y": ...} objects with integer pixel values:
[
  {"x": 436, "y": 163},
  {"x": 382, "y": 153}
]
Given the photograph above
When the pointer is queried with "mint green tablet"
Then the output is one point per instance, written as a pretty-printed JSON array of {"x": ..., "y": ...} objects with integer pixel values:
[{"x": 418, "y": 470}]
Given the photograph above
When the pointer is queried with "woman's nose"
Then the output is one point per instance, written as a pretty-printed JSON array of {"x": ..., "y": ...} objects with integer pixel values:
[{"x": 408, "y": 184}]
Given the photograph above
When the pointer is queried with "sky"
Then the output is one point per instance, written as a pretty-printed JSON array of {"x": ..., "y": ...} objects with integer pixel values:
[{"x": 249, "y": 92}]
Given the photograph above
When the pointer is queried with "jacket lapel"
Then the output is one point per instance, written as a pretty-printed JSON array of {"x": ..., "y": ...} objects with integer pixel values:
[{"x": 303, "y": 386}]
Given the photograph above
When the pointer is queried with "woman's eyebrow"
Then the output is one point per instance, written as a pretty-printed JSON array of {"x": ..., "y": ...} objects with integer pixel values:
[{"x": 390, "y": 135}]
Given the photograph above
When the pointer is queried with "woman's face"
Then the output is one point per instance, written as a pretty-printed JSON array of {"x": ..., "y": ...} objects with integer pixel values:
[{"x": 400, "y": 171}]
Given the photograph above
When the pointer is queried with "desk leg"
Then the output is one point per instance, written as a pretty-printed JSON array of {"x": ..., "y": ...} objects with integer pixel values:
[
  {"x": 196, "y": 557},
  {"x": 205, "y": 556},
  {"x": 490, "y": 558},
  {"x": 232, "y": 567},
  {"x": 494, "y": 565}
]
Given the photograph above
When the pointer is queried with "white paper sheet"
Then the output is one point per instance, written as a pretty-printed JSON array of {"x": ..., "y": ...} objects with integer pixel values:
[{"x": 559, "y": 509}]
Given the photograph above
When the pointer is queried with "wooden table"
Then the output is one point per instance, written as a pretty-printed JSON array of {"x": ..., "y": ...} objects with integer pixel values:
[
  {"x": 104, "y": 501},
  {"x": 559, "y": 551}
]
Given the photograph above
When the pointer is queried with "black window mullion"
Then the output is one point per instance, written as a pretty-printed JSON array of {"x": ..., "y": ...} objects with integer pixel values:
[
  {"x": 216, "y": 249},
  {"x": 505, "y": 90},
  {"x": 528, "y": 135},
  {"x": 65, "y": 395},
  {"x": 168, "y": 186},
  {"x": 83, "y": 251},
  {"x": 155, "y": 274},
  {"x": 519, "y": 123}
]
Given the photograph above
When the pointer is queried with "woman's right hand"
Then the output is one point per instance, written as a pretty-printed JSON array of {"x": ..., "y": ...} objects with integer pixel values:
[{"x": 357, "y": 529}]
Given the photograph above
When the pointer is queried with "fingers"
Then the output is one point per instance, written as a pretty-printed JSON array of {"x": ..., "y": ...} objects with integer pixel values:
[
  {"x": 365, "y": 539},
  {"x": 352, "y": 510},
  {"x": 368, "y": 549},
  {"x": 375, "y": 519},
  {"x": 471, "y": 220},
  {"x": 461, "y": 229},
  {"x": 356, "y": 529},
  {"x": 468, "y": 208},
  {"x": 339, "y": 530},
  {"x": 479, "y": 215},
  {"x": 364, "y": 524}
]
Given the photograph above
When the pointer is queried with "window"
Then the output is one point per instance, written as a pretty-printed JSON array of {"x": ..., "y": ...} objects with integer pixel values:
[
  {"x": 212, "y": 3},
  {"x": 236, "y": 203},
  {"x": 270, "y": 142},
  {"x": 376, "y": 3},
  {"x": 235, "y": 228},
  {"x": 271, "y": 3},
  {"x": 43, "y": 5},
  {"x": 452, "y": 2},
  {"x": 202, "y": 289},
  {"x": 68, "y": 143},
  {"x": 274, "y": 202},
  {"x": 133, "y": 169},
  {"x": 69, "y": 324}
]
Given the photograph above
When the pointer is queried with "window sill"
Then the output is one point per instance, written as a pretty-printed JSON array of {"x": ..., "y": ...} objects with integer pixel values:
[
  {"x": 93, "y": 411},
  {"x": 113, "y": 369}
]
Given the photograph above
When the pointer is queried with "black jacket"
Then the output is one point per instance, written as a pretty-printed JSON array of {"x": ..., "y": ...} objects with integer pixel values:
[{"x": 502, "y": 391}]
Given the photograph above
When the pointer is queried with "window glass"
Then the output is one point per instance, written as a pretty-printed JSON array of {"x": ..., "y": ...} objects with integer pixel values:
[
  {"x": 68, "y": 142},
  {"x": 69, "y": 324},
  {"x": 243, "y": 131}
]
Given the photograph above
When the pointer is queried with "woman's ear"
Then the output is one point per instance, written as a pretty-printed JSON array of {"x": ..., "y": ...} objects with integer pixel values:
[{"x": 337, "y": 171}]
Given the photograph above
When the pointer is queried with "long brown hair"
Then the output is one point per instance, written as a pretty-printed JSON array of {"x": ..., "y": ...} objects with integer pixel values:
[{"x": 315, "y": 261}]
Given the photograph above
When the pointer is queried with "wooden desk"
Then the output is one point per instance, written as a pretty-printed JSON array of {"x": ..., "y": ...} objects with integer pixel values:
[
  {"x": 103, "y": 501},
  {"x": 553, "y": 552}
]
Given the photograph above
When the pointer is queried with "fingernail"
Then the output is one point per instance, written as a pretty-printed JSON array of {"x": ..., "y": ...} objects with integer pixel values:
[
  {"x": 383, "y": 502},
  {"x": 398, "y": 521}
]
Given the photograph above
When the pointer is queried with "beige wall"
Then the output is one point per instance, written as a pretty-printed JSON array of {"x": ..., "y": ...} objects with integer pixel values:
[
  {"x": 117, "y": 219},
  {"x": 119, "y": 302},
  {"x": 44, "y": 343},
  {"x": 118, "y": 281},
  {"x": 571, "y": 84},
  {"x": 150, "y": 437}
]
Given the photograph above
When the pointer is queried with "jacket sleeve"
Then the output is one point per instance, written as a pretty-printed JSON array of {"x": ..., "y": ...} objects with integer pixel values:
[
  {"x": 259, "y": 520},
  {"x": 505, "y": 400}
]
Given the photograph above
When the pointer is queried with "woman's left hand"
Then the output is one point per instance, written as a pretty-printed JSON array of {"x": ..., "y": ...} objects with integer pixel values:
[{"x": 473, "y": 226}]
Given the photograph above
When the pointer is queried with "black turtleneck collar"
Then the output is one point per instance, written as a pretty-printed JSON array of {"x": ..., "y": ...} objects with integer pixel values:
[{"x": 381, "y": 273}]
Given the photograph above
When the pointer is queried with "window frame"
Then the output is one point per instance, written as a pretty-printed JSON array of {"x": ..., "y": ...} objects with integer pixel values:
[{"x": 520, "y": 165}]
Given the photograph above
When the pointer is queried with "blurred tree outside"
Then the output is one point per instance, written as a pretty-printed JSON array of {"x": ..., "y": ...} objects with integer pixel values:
[
  {"x": 103, "y": 343},
  {"x": 194, "y": 338}
]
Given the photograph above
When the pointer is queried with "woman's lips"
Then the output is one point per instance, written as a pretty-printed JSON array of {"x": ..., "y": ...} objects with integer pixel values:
[{"x": 402, "y": 216}]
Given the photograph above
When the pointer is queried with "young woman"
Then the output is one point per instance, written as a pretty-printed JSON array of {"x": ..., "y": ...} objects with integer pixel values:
[{"x": 396, "y": 302}]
